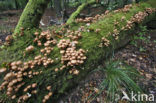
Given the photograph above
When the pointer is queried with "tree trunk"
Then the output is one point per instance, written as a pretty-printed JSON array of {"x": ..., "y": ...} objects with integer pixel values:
[
  {"x": 16, "y": 5},
  {"x": 32, "y": 14},
  {"x": 79, "y": 9},
  {"x": 58, "y": 8}
]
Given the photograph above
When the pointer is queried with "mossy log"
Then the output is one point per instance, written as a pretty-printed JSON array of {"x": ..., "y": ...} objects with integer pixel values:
[
  {"x": 61, "y": 81},
  {"x": 79, "y": 9},
  {"x": 32, "y": 14}
]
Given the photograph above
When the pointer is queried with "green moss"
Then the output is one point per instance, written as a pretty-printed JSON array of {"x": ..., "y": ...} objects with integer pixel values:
[
  {"x": 32, "y": 14},
  {"x": 62, "y": 81}
]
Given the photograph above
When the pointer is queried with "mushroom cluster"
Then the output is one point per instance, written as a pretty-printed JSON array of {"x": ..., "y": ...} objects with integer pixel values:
[
  {"x": 105, "y": 41},
  {"x": 59, "y": 33},
  {"x": 81, "y": 28},
  {"x": 123, "y": 18},
  {"x": 46, "y": 50},
  {"x": 24, "y": 98},
  {"x": 63, "y": 44},
  {"x": 129, "y": 25},
  {"x": 89, "y": 19},
  {"x": 150, "y": 10},
  {"x": 116, "y": 34},
  {"x": 97, "y": 30},
  {"x": 44, "y": 35},
  {"x": 127, "y": 8},
  {"x": 13, "y": 80},
  {"x": 139, "y": 17},
  {"x": 22, "y": 31},
  {"x": 116, "y": 11},
  {"x": 49, "y": 42},
  {"x": 8, "y": 39},
  {"x": 86, "y": 20},
  {"x": 73, "y": 57},
  {"x": 74, "y": 71},
  {"x": 37, "y": 39},
  {"x": 47, "y": 97},
  {"x": 29, "y": 48},
  {"x": 70, "y": 56},
  {"x": 116, "y": 23},
  {"x": 48, "y": 47},
  {"x": 30, "y": 87},
  {"x": 75, "y": 37},
  {"x": 38, "y": 60}
]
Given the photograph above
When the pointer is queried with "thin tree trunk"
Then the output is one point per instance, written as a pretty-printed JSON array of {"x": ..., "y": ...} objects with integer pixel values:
[
  {"x": 16, "y": 5},
  {"x": 58, "y": 8},
  {"x": 32, "y": 14}
]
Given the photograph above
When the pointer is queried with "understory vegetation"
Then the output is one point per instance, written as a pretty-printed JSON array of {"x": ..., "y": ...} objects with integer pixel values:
[{"x": 119, "y": 78}]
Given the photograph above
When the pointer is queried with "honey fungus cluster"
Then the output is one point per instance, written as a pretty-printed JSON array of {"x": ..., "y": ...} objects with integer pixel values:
[
  {"x": 105, "y": 42},
  {"x": 89, "y": 19},
  {"x": 70, "y": 56},
  {"x": 8, "y": 39}
]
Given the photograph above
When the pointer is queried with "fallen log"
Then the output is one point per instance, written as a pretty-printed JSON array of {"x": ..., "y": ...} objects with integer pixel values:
[{"x": 97, "y": 37}]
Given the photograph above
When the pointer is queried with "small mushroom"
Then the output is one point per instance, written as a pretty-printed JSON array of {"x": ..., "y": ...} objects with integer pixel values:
[
  {"x": 48, "y": 88},
  {"x": 2, "y": 70}
]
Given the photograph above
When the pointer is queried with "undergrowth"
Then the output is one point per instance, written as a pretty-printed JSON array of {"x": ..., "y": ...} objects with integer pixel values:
[
  {"x": 141, "y": 38},
  {"x": 118, "y": 78}
]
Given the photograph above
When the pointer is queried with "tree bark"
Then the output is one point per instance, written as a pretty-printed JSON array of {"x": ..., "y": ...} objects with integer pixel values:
[
  {"x": 16, "y": 5},
  {"x": 58, "y": 8},
  {"x": 32, "y": 14}
]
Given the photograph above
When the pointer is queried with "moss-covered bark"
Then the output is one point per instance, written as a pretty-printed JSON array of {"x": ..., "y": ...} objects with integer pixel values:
[
  {"x": 32, "y": 14},
  {"x": 79, "y": 9},
  {"x": 62, "y": 80}
]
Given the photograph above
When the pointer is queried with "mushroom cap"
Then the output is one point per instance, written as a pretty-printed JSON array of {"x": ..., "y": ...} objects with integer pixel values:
[
  {"x": 19, "y": 62},
  {"x": 36, "y": 33},
  {"x": 76, "y": 72},
  {"x": 2, "y": 70},
  {"x": 34, "y": 85},
  {"x": 50, "y": 93},
  {"x": 8, "y": 76},
  {"x": 47, "y": 97},
  {"x": 10, "y": 89},
  {"x": 48, "y": 88},
  {"x": 13, "y": 97}
]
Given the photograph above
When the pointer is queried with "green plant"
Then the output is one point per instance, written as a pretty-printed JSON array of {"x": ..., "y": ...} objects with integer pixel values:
[
  {"x": 118, "y": 75},
  {"x": 141, "y": 38}
]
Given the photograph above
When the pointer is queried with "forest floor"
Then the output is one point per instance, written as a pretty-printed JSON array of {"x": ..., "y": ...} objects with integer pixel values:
[{"x": 142, "y": 57}]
